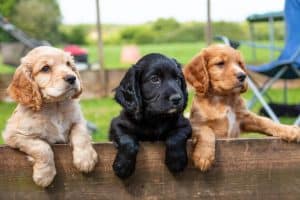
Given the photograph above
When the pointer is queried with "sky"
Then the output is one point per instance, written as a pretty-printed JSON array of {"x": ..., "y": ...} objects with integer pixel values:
[{"x": 140, "y": 11}]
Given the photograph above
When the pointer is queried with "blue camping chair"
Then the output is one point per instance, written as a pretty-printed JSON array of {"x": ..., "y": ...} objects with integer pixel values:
[{"x": 286, "y": 67}]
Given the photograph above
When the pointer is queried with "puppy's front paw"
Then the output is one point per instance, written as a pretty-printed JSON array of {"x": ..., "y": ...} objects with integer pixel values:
[
  {"x": 43, "y": 175},
  {"x": 204, "y": 159},
  {"x": 85, "y": 159},
  {"x": 123, "y": 167},
  {"x": 176, "y": 161},
  {"x": 292, "y": 134}
]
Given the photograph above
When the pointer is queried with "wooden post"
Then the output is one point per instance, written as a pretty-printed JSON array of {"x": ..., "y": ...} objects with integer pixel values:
[
  {"x": 244, "y": 169},
  {"x": 208, "y": 27},
  {"x": 103, "y": 73}
]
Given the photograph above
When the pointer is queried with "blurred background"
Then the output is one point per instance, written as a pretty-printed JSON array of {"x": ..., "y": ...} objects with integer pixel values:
[{"x": 107, "y": 36}]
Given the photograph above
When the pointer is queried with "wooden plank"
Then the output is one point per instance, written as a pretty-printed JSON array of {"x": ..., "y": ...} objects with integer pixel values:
[{"x": 244, "y": 169}]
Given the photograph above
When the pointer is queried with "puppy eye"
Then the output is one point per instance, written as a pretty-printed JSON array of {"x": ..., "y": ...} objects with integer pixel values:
[
  {"x": 220, "y": 64},
  {"x": 155, "y": 79},
  {"x": 45, "y": 68}
]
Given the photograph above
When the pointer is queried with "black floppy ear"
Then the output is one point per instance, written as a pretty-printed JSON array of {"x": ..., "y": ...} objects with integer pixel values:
[
  {"x": 128, "y": 93},
  {"x": 183, "y": 83}
]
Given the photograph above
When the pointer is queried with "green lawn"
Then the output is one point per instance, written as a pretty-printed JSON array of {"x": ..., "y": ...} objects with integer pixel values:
[
  {"x": 183, "y": 52},
  {"x": 101, "y": 111}
]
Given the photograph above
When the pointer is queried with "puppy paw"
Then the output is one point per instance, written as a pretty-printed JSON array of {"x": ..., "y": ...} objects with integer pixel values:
[
  {"x": 203, "y": 164},
  {"x": 43, "y": 175},
  {"x": 293, "y": 134},
  {"x": 204, "y": 160},
  {"x": 85, "y": 159},
  {"x": 176, "y": 161},
  {"x": 123, "y": 168}
]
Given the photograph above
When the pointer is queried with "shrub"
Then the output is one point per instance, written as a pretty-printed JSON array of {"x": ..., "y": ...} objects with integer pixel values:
[
  {"x": 38, "y": 19},
  {"x": 141, "y": 34},
  {"x": 75, "y": 34},
  {"x": 189, "y": 32}
]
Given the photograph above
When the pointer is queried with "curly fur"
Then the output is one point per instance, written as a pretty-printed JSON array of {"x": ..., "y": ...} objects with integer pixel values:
[
  {"x": 218, "y": 110},
  {"x": 149, "y": 113},
  {"x": 48, "y": 112}
]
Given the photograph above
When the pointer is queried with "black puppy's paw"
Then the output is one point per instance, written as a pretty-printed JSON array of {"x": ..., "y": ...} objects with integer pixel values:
[
  {"x": 124, "y": 168},
  {"x": 176, "y": 161}
]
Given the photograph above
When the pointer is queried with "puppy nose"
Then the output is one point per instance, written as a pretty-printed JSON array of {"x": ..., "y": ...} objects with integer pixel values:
[
  {"x": 241, "y": 76},
  {"x": 175, "y": 99},
  {"x": 70, "y": 79}
]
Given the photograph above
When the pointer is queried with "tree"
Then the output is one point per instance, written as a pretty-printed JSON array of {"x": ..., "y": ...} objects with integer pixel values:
[
  {"x": 7, "y": 7},
  {"x": 163, "y": 24},
  {"x": 38, "y": 19},
  {"x": 6, "y": 10}
]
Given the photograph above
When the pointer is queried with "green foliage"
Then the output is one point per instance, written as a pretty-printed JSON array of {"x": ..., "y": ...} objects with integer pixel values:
[
  {"x": 128, "y": 33},
  {"x": 38, "y": 19},
  {"x": 163, "y": 25},
  {"x": 188, "y": 32},
  {"x": 230, "y": 29},
  {"x": 6, "y": 10},
  {"x": 169, "y": 30},
  {"x": 262, "y": 31},
  {"x": 112, "y": 38},
  {"x": 141, "y": 34},
  {"x": 7, "y": 7},
  {"x": 183, "y": 52},
  {"x": 75, "y": 34},
  {"x": 158, "y": 31}
]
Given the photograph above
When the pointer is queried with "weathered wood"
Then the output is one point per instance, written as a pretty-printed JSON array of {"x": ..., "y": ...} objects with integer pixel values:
[{"x": 244, "y": 169}]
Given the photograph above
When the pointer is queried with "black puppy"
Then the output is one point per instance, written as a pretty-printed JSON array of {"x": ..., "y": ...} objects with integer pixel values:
[{"x": 153, "y": 95}]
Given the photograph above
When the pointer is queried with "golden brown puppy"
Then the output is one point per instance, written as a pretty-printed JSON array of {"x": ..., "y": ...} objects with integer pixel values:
[
  {"x": 218, "y": 75},
  {"x": 45, "y": 85}
]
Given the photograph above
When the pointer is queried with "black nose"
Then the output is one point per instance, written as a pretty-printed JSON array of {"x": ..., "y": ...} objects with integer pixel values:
[
  {"x": 175, "y": 99},
  {"x": 241, "y": 76},
  {"x": 70, "y": 79}
]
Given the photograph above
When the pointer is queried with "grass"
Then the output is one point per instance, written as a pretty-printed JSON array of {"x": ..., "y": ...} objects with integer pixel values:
[
  {"x": 277, "y": 95},
  {"x": 183, "y": 52},
  {"x": 101, "y": 111}
]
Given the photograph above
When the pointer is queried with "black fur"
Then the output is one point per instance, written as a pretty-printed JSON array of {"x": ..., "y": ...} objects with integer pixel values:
[{"x": 150, "y": 113}]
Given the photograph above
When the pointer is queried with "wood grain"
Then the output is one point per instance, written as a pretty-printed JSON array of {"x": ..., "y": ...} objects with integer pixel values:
[{"x": 244, "y": 169}]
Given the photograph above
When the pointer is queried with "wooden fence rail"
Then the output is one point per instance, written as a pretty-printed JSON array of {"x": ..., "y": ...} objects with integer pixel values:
[{"x": 244, "y": 169}]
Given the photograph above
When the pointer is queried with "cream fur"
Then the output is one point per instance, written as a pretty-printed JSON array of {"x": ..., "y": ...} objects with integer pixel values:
[{"x": 57, "y": 119}]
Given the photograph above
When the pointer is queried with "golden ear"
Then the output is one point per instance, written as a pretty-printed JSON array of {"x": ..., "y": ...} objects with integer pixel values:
[
  {"x": 196, "y": 74},
  {"x": 24, "y": 90},
  {"x": 242, "y": 62},
  {"x": 243, "y": 66},
  {"x": 80, "y": 81}
]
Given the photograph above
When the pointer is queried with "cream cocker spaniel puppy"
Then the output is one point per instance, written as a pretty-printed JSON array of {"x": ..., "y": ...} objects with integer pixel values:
[{"x": 45, "y": 86}]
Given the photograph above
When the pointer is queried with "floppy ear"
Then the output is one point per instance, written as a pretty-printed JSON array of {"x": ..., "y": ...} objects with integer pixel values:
[
  {"x": 80, "y": 89},
  {"x": 196, "y": 74},
  {"x": 242, "y": 62},
  {"x": 243, "y": 66},
  {"x": 24, "y": 90},
  {"x": 183, "y": 83},
  {"x": 128, "y": 93}
]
